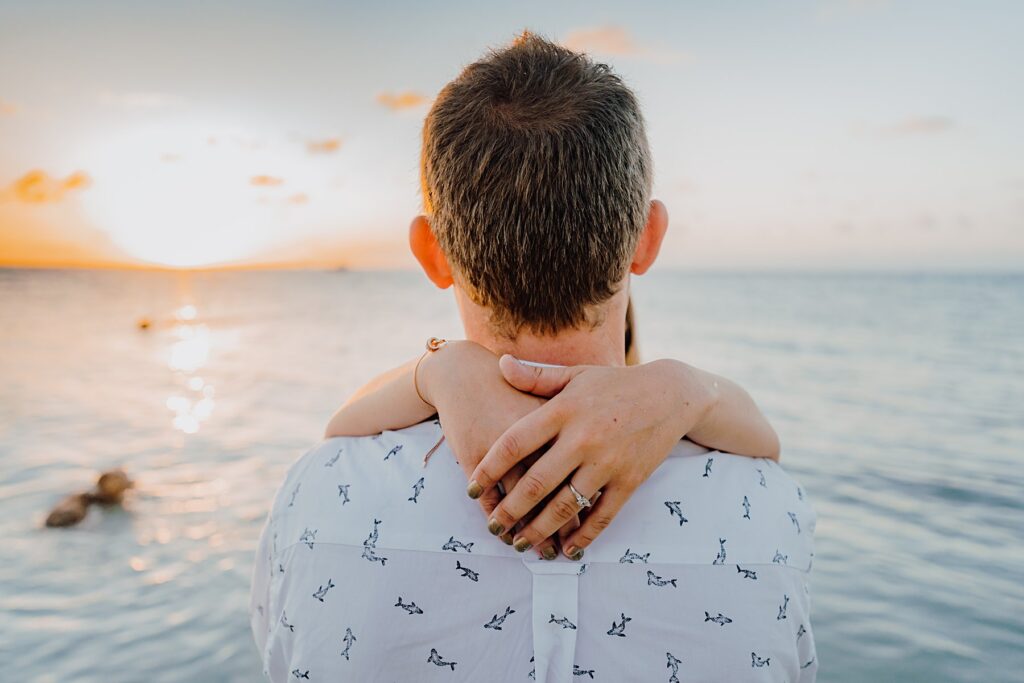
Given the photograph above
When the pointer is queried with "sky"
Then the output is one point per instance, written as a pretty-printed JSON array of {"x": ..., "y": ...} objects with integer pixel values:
[{"x": 832, "y": 135}]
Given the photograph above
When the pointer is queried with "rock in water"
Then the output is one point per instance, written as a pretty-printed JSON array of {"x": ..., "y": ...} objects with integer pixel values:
[{"x": 69, "y": 511}]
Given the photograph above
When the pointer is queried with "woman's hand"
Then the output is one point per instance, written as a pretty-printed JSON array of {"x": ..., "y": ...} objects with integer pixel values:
[
  {"x": 611, "y": 427},
  {"x": 476, "y": 406}
]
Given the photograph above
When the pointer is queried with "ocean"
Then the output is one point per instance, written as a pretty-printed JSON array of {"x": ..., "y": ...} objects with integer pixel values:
[{"x": 899, "y": 400}]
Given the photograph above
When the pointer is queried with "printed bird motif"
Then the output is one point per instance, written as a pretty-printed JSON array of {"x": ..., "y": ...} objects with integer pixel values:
[
  {"x": 780, "y": 558},
  {"x": 393, "y": 451},
  {"x": 804, "y": 666},
  {"x": 308, "y": 537},
  {"x": 411, "y": 607},
  {"x": 455, "y": 546},
  {"x": 300, "y": 674},
  {"x": 349, "y": 639},
  {"x": 756, "y": 661},
  {"x": 673, "y": 663},
  {"x": 746, "y": 508},
  {"x": 655, "y": 580},
  {"x": 416, "y": 488},
  {"x": 762, "y": 482},
  {"x": 746, "y": 573},
  {"x": 497, "y": 621},
  {"x": 321, "y": 592},
  {"x": 343, "y": 492},
  {"x": 782, "y": 608},
  {"x": 676, "y": 511},
  {"x": 720, "y": 557},
  {"x": 370, "y": 545},
  {"x": 562, "y": 621},
  {"x": 334, "y": 458},
  {"x": 800, "y": 631},
  {"x": 370, "y": 553},
  {"x": 467, "y": 572},
  {"x": 630, "y": 557},
  {"x": 295, "y": 492},
  {"x": 707, "y": 468},
  {"x": 582, "y": 571},
  {"x": 721, "y": 620},
  {"x": 435, "y": 658},
  {"x": 796, "y": 522},
  {"x": 619, "y": 628},
  {"x": 576, "y": 671}
]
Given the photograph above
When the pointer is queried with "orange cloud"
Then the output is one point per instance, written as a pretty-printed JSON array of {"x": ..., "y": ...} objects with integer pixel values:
[
  {"x": 298, "y": 198},
  {"x": 37, "y": 187},
  {"x": 402, "y": 100},
  {"x": 327, "y": 146},
  {"x": 8, "y": 108},
  {"x": 265, "y": 181},
  {"x": 617, "y": 41},
  {"x": 920, "y": 125}
]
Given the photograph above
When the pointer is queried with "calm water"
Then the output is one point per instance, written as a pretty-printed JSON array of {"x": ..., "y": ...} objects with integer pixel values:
[{"x": 899, "y": 399}]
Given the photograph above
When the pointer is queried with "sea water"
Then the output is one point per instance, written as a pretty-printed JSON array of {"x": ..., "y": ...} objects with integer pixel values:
[{"x": 899, "y": 400}]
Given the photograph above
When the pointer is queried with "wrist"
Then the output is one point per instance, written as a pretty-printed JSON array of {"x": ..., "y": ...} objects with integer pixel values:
[
  {"x": 693, "y": 393},
  {"x": 440, "y": 371}
]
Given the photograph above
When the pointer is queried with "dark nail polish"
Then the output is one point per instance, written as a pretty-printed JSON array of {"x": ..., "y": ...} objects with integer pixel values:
[
  {"x": 474, "y": 489},
  {"x": 495, "y": 527},
  {"x": 506, "y": 539},
  {"x": 574, "y": 553},
  {"x": 549, "y": 553},
  {"x": 522, "y": 545}
]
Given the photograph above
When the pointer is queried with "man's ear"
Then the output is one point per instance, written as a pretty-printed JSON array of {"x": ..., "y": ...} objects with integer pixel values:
[
  {"x": 649, "y": 244},
  {"x": 428, "y": 252}
]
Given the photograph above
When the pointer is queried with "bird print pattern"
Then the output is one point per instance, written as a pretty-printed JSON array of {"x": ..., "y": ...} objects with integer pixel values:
[{"x": 319, "y": 534}]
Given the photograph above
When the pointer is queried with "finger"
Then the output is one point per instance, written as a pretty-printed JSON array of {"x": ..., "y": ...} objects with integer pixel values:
[
  {"x": 493, "y": 497},
  {"x": 561, "y": 508},
  {"x": 546, "y": 475},
  {"x": 597, "y": 520},
  {"x": 536, "y": 379},
  {"x": 524, "y": 437},
  {"x": 567, "y": 529}
]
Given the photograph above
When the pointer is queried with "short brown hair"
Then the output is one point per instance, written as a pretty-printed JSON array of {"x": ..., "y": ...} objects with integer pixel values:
[{"x": 537, "y": 176}]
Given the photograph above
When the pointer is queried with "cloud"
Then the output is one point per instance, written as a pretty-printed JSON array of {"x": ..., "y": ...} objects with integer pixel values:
[
  {"x": 402, "y": 100},
  {"x": 265, "y": 181},
  {"x": 139, "y": 100},
  {"x": 617, "y": 41},
  {"x": 921, "y": 125},
  {"x": 8, "y": 108},
  {"x": 38, "y": 187},
  {"x": 328, "y": 146}
]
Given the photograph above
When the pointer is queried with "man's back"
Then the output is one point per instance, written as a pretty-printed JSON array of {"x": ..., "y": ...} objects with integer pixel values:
[{"x": 374, "y": 567}]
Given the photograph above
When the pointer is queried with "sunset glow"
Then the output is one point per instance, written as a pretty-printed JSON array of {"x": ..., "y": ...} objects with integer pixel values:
[{"x": 292, "y": 136}]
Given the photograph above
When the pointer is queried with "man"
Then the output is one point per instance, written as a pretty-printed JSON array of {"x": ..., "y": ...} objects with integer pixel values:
[{"x": 374, "y": 564}]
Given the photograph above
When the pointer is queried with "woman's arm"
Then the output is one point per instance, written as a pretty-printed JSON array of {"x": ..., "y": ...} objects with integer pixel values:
[{"x": 388, "y": 401}]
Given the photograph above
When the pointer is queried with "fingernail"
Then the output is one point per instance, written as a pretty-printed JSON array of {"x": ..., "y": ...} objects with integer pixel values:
[
  {"x": 549, "y": 553},
  {"x": 574, "y": 553},
  {"x": 507, "y": 538},
  {"x": 522, "y": 545},
  {"x": 495, "y": 527},
  {"x": 474, "y": 489}
]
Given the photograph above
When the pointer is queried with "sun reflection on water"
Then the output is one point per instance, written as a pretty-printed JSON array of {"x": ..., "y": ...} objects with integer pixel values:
[{"x": 188, "y": 355}]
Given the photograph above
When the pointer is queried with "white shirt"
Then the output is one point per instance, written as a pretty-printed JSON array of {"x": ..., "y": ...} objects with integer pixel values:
[{"x": 373, "y": 567}]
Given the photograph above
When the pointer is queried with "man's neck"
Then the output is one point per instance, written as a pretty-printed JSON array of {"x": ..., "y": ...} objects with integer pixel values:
[{"x": 601, "y": 345}]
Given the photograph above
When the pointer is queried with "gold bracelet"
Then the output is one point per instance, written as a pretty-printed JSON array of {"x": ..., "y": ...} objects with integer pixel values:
[{"x": 433, "y": 344}]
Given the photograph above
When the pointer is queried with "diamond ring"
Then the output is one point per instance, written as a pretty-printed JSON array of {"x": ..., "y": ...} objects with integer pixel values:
[{"x": 581, "y": 500}]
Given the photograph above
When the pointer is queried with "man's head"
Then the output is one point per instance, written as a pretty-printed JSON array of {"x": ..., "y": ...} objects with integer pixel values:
[{"x": 536, "y": 180}]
